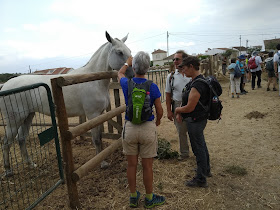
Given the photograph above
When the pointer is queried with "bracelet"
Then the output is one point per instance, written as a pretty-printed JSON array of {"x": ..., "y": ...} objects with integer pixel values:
[{"x": 126, "y": 64}]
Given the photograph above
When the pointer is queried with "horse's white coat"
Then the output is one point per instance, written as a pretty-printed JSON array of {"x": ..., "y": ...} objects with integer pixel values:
[{"x": 89, "y": 99}]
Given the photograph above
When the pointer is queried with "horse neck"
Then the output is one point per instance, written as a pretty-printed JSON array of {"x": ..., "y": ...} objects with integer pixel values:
[{"x": 98, "y": 62}]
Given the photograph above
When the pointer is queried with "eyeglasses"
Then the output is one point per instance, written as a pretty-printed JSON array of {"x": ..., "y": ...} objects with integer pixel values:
[{"x": 176, "y": 59}]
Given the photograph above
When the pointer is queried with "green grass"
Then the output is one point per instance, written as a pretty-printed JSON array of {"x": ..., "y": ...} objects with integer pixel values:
[{"x": 236, "y": 170}]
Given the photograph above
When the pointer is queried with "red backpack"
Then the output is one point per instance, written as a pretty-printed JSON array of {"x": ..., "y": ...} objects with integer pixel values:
[{"x": 252, "y": 63}]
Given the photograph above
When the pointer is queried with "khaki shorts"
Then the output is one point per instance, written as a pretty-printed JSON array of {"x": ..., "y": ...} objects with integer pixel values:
[{"x": 140, "y": 139}]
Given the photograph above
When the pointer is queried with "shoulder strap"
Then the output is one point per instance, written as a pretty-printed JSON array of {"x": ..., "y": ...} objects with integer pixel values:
[
  {"x": 211, "y": 89},
  {"x": 171, "y": 82},
  {"x": 145, "y": 85}
]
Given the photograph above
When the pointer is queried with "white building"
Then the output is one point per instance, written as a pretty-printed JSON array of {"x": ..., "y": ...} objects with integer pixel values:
[{"x": 158, "y": 57}]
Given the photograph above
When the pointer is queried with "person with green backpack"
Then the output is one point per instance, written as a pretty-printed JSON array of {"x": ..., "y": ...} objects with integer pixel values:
[
  {"x": 139, "y": 136},
  {"x": 269, "y": 66}
]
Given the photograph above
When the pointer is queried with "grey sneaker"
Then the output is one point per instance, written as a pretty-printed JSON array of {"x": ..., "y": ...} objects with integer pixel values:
[
  {"x": 134, "y": 201},
  {"x": 183, "y": 157},
  {"x": 157, "y": 200}
]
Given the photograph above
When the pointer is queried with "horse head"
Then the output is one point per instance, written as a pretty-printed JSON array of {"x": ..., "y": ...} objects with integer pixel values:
[{"x": 119, "y": 54}]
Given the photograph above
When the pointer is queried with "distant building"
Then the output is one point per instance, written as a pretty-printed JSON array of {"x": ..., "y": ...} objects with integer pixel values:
[
  {"x": 271, "y": 44},
  {"x": 61, "y": 70},
  {"x": 159, "y": 57},
  {"x": 215, "y": 51}
]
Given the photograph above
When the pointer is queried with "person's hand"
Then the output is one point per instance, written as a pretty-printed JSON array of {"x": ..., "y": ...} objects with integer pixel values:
[
  {"x": 129, "y": 61},
  {"x": 178, "y": 118},
  {"x": 157, "y": 122},
  {"x": 170, "y": 115}
]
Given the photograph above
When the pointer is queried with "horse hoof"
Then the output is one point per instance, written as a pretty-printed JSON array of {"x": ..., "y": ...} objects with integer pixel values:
[{"x": 104, "y": 165}]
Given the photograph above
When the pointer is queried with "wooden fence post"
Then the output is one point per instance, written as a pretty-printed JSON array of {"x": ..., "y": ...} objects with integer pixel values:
[{"x": 66, "y": 143}]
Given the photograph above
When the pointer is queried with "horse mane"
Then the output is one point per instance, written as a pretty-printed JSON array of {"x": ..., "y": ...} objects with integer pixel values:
[{"x": 102, "y": 47}]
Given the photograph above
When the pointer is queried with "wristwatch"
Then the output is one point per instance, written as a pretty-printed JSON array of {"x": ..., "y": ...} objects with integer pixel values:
[{"x": 126, "y": 64}]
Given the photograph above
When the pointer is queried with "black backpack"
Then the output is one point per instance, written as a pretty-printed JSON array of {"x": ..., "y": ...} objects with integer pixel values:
[
  {"x": 237, "y": 71},
  {"x": 214, "y": 108},
  {"x": 269, "y": 65},
  {"x": 138, "y": 108}
]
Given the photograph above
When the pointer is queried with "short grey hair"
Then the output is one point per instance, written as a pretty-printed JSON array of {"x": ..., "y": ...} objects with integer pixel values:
[{"x": 141, "y": 63}]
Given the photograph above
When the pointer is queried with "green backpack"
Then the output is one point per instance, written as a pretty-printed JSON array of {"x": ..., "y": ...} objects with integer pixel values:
[{"x": 139, "y": 107}]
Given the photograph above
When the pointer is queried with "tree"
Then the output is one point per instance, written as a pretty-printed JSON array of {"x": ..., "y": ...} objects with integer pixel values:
[
  {"x": 252, "y": 49},
  {"x": 227, "y": 53}
]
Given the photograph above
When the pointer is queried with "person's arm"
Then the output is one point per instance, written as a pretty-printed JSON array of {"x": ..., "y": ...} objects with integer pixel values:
[
  {"x": 122, "y": 71},
  {"x": 159, "y": 111},
  {"x": 193, "y": 99},
  {"x": 168, "y": 106},
  {"x": 168, "y": 99},
  {"x": 276, "y": 68}
]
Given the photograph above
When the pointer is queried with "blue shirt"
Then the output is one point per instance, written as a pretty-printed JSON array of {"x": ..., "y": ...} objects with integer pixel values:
[
  {"x": 241, "y": 65},
  {"x": 154, "y": 91}
]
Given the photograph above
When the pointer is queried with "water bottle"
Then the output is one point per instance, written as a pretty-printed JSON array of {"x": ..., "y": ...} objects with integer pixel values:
[
  {"x": 215, "y": 99},
  {"x": 147, "y": 102},
  {"x": 147, "y": 99}
]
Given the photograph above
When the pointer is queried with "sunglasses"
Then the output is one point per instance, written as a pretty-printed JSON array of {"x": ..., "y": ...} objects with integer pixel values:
[{"x": 176, "y": 59}]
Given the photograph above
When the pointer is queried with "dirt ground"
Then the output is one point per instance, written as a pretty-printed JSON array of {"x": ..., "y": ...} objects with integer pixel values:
[{"x": 247, "y": 137}]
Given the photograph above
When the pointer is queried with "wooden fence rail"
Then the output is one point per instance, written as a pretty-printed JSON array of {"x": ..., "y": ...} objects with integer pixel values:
[{"x": 68, "y": 134}]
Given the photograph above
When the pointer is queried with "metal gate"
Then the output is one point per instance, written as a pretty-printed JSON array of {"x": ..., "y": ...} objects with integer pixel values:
[{"x": 30, "y": 159}]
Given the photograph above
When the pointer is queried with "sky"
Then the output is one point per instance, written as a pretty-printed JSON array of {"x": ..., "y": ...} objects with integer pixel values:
[{"x": 43, "y": 34}]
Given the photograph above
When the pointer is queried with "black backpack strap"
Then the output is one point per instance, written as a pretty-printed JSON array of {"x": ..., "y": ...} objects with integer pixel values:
[
  {"x": 206, "y": 108},
  {"x": 130, "y": 86},
  {"x": 171, "y": 82},
  {"x": 145, "y": 85}
]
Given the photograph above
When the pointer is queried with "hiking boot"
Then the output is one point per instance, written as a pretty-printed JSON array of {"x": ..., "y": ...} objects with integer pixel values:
[
  {"x": 238, "y": 96},
  {"x": 253, "y": 88},
  {"x": 259, "y": 86},
  {"x": 209, "y": 174},
  {"x": 274, "y": 89},
  {"x": 134, "y": 201},
  {"x": 232, "y": 96},
  {"x": 196, "y": 183},
  {"x": 183, "y": 157},
  {"x": 267, "y": 89},
  {"x": 157, "y": 200}
]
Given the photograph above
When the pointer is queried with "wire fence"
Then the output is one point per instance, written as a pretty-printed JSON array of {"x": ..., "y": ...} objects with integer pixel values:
[{"x": 29, "y": 158}]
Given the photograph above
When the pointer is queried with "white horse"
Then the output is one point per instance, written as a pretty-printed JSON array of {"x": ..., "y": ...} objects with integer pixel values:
[{"x": 89, "y": 99}]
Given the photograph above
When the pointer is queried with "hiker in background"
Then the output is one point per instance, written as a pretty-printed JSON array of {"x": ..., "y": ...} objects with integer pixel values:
[
  {"x": 175, "y": 82},
  {"x": 256, "y": 72},
  {"x": 224, "y": 65},
  {"x": 234, "y": 82},
  {"x": 141, "y": 139},
  {"x": 276, "y": 60},
  {"x": 196, "y": 119},
  {"x": 241, "y": 63},
  {"x": 248, "y": 72},
  {"x": 269, "y": 66}
]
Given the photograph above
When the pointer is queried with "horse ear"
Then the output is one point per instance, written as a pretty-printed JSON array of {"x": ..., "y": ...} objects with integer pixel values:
[
  {"x": 109, "y": 38},
  {"x": 125, "y": 38}
]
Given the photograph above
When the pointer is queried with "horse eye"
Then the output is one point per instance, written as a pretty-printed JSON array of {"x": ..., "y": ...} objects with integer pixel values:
[{"x": 120, "y": 52}]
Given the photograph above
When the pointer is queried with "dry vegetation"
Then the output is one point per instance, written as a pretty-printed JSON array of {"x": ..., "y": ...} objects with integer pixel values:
[{"x": 244, "y": 149}]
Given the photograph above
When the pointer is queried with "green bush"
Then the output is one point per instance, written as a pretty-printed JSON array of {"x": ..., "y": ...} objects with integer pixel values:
[{"x": 165, "y": 151}]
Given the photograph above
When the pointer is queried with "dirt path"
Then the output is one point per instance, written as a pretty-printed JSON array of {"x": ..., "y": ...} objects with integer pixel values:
[{"x": 250, "y": 144}]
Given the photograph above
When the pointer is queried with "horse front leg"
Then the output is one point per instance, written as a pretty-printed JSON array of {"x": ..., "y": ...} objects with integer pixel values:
[
  {"x": 23, "y": 132},
  {"x": 7, "y": 141},
  {"x": 6, "y": 156},
  {"x": 97, "y": 141}
]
